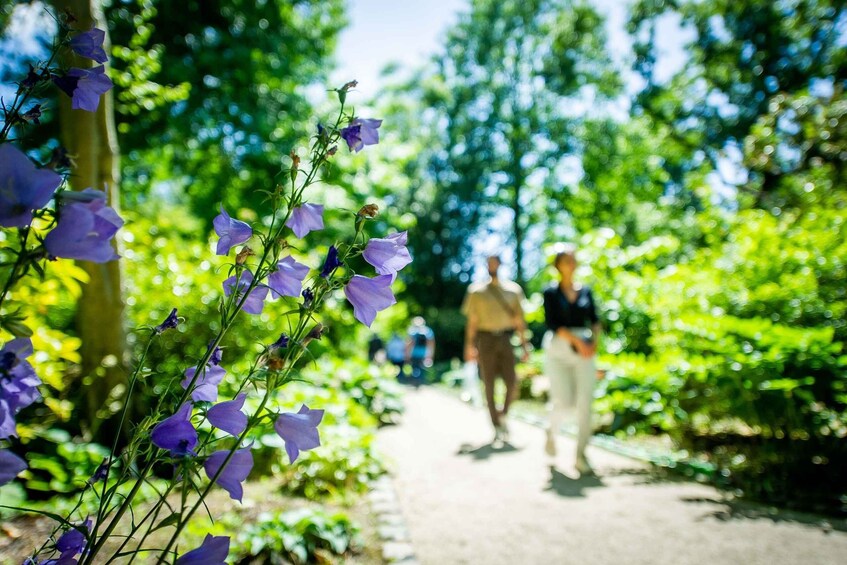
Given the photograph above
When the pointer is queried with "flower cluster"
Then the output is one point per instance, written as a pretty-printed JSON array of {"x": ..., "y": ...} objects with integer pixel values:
[{"x": 81, "y": 226}]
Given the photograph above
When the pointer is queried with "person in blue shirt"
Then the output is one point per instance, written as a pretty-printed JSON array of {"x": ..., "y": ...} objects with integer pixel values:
[
  {"x": 420, "y": 347},
  {"x": 570, "y": 347}
]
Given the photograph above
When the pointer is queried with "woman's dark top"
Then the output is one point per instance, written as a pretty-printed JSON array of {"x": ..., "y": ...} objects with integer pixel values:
[{"x": 560, "y": 313}]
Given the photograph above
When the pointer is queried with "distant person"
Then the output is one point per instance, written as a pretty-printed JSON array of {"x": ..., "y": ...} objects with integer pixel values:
[
  {"x": 570, "y": 347},
  {"x": 420, "y": 348},
  {"x": 494, "y": 313},
  {"x": 395, "y": 351},
  {"x": 376, "y": 349}
]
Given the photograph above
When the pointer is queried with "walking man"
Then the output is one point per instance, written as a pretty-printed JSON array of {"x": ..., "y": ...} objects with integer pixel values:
[{"x": 494, "y": 313}]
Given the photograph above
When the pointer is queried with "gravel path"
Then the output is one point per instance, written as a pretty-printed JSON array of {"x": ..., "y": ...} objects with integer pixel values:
[{"x": 467, "y": 502}]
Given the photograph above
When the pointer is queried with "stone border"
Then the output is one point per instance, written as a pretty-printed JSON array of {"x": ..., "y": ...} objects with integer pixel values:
[{"x": 391, "y": 525}]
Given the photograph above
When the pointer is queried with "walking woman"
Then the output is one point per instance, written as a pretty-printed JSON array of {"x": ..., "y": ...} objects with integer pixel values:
[{"x": 570, "y": 347}]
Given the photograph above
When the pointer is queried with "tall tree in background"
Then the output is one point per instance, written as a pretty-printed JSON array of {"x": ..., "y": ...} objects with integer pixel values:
[
  {"x": 237, "y": 74},
  {"x": 500, "y": 108},
  {"x": 91, "y": 139},
  {"x": 744, "y": 54}
]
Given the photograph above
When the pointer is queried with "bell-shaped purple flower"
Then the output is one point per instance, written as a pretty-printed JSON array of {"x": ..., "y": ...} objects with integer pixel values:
[
  {"x": 84, "y": 196},
  {"x": 170, "y": 322},
  {"x": 23, "y": 187},
  {"x": 73, "y": 541},
  {"x": 281, "y": 342},
  {"x": 369, "y": 295},
  {"x": 227, "y": 416},
  {"x": 235, "y": 472},
  {"x": 287, "y": 280},
  {"x": 176, "y": 433},
  {"x": 10, "y": 466},
  {"x": 89, "y": 44},
  {"x": 18, "y": 383},
  {"x": 212, "y": 551},
  {"x": 255, "y": 302},
  {"x": 84, "y": 86},
  {"x": 299, "y": 431},
  {"x": 360, "y": 133},
  {"x": 388, "y": 255},
  {"x": 206, "y": 385},
  {"x": 305, "y": 218},
  {"x": 230, "y": 231},
  {"x": 331, "y": 262},
  {"x": 84, "y": 232}
]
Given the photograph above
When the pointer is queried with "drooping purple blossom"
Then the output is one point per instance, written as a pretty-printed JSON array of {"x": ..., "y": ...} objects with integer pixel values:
[
  {"x": 176, "y": 433},
  {"x": 305, "y": 218},
  {"x": 255, "y": 301},
  {"x": 10, "y": 466},
  {"x": 102, "y": 472},
  {"x": 331, "y": 263},
  {"x": 287, "y": 280},
  {"x": 216, "y": 355},
  {"x": 369, "y": 295},
  {"x": 235, "y": 472},
  {"x": 212, "y": 551},
  {"x": 308, "y": 297},
  {"x": 299, "y": 431},
  {"x": 73, "y": 541},
  {"x": 23, "y": 187},
  {"x": 18, "y": 383},
  {"x": 170, "y": 322},
  {"x": 89, "y": 44},
  {"x": 206, "y": 385},
  {"x": 388, "y": 255},
  {"x": 84, "y": 86},
  {"x": 227, "y": 416},
  {"x": 361, "y": 132},
  {"x": 281, "y": 342},
  {"x": 230, "y": 231},
  {"x": 84, "y": 232}
]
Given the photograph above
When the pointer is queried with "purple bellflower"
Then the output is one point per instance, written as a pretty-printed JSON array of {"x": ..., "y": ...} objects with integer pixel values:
[
  {"x": 230, "y": 231},
  {"x": 299, "y": 431},
  {"x": 255, "y": 301},
  {"x": 170, "y": 322},
  {"x": 369, "y": 295},
  {"x": 102, "y": 472},
  {"x": 227, "y": 416},
  {"x": 89, "y": 44},
  {"x": 281, "y": 342},
  {"x": 10, "y": 466},
  {"x": 287, "y": 280},
  {"x": 23, "y": 187},
  {"x": 73, "y": 541},
  {"x": 84, "y": 196},
  {"x": 84, "y": 86},
  {"x": 212, "y": 551},
  {"x": 176, "y": 433},
  {"x": 360, "y": 133},
  {"x": 331, "y": 262},
  {"x": 305, "y": 218},
  {"x": 206, "y": 386},
  {"x": 18, "y": 383},
  {"x": 388, "y": 255},
  {"x": 84, "y": 232},
  {"x": 235, "y": 472}
]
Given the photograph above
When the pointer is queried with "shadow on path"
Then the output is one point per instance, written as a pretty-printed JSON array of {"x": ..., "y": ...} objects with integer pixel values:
[
  {"x": 744, "y": 510},
  {"x": 487, "y": 450},
  {"x": 564, "y": 485}
]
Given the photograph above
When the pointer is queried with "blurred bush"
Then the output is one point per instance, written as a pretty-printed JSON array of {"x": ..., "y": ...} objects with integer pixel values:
[{"x": 297, "y": 536}]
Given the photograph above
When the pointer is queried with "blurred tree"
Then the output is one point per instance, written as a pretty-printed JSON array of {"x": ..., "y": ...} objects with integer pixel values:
[
  {"x": 744, "y": 53},
  {"x": 215, "y": 92},
  {"x": 500, "y": 103},
  {"x": 91, "y": 139}
]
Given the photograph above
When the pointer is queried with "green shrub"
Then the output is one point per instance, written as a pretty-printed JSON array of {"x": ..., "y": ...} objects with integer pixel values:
[{"x": 297, "y": 536}]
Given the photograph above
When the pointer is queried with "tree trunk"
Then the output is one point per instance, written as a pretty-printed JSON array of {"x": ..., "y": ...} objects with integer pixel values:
[{"x": 91, "y": 140}]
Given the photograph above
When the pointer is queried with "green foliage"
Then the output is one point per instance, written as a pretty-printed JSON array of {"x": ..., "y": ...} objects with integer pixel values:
[
  {"x": 297, "y": 536},
  {"x": 59, "y": 466}
]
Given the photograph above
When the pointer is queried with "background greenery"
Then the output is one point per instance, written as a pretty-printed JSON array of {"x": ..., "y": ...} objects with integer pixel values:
[{"x": 709, "y": 207}]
